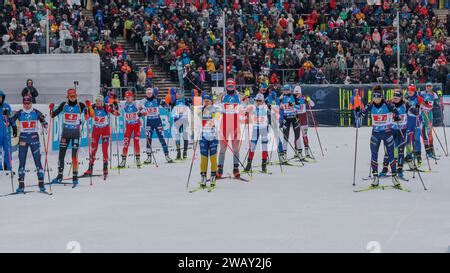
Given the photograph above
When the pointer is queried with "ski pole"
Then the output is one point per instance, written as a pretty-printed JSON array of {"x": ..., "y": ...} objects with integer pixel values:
[
  {"x": 278, "y": 153},
  {"x": 275, "y": 138},
  {"x": 46, "y": 147},
  {"x": 192, "y": 161},
  {"x": 91, "y": 156},
  {"x": 110, "y": 143},
  {"x": 46, "y": 159},
  {"x": 356, "y": 150},
  {"x": 249, "y": 143},
  {"x": 292, "y": 146},
  {"x": 315, "y": 127},
  {"x": 426, "y": 154},
  {"x": 234, "y": 155},
  {"x": 10, "y": 159},
  {"x": 432, "y": 128},
  {"x": 416, "y": 169},
  {"x": 150, "y": 146},
  {"x": 117, "y": 143},
  {"x": 443, "y": 124}
]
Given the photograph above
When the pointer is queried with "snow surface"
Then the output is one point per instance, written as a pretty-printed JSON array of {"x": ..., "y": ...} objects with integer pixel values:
[{"x": 303, "y": 209}]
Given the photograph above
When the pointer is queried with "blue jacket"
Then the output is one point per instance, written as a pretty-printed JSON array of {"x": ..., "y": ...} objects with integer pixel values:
[{"x": 4, "y": 106}]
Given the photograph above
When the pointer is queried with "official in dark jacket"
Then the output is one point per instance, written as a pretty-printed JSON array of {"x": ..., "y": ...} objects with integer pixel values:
[{"x": 29, "y": 90}]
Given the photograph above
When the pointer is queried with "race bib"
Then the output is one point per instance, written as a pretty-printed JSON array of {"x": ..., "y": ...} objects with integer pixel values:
[
  {"x": 208, "y": 125},
  {"x": 302, "y": 109},
  {"x": 179, "y": 111},
  {"x": 261, "y": 120},
  {"x": 29, "y": 126},
  {"x": 153, "y": 111},
  {"x": 403, "y": 119},
  {"x": 231, "y": 108},
  {"x": 380, "y": 119},
  {"x": 71, "y": 119},
  {"x": 100, "y": 121},
  {"x": 131, "y": 116}
]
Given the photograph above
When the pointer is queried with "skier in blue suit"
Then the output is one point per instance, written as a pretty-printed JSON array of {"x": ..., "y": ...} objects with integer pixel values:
[
  {"x": 5, "y": 138},
  {"x": 29, "y": 118}
]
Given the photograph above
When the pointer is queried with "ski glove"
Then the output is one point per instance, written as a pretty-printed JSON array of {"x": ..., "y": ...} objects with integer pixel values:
[{"x": 14, "y": 131}]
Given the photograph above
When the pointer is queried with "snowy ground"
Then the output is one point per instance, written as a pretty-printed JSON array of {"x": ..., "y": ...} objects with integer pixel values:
[{"x": 303, "y": 209}]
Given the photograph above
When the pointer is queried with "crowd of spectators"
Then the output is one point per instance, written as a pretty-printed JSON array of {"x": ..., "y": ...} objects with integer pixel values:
[
  {"x": 310, "y": 42},
  {"x": 23, "y": 31}
]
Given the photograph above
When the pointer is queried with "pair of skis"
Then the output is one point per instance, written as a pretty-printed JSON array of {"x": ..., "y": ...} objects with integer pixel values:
[
  {"x": 26, "y": 192},
  {"x": 386, "y": 176},
  {"x": 209, "y": 188},
  {"x": 382, "y": 188}
]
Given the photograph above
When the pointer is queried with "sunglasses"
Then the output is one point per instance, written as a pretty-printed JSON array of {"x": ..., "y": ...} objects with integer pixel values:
[
  {"x": 26, "y": 103},
  {"x": 72, "y": 96}
]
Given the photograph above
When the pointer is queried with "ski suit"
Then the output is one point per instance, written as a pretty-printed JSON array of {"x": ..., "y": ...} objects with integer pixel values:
[
  {"x": 427, "y": 120},
  {"x": 153, "y": 122},
  {"x": 303, "y": 103},
  {"x": 5, "y": 135},
  {"x": 29, "y": 138},
  {"x": 230, "y": 128},
  {"x": 259, "y": 117},
  {"x": 100, "y": 129},
  {"x": 208, "y": 140},
  {"x": 399, "y": 133},
  {"x": 288, "y": 119},
  {"x": 413, "y": 122},
  {"x": 181, "y": 114},
  {"x": 381, "y": 131},
  {"x": 72, "y": 120},
  {"x": 132, "y": 112}
]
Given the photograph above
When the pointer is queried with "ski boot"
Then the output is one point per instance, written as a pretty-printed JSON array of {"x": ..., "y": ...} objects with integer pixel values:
[
  {"x": 168, "y": 159},
  {"x": 419, "y": 160},
  {"x": 138, "y": 161},
  {"x": 219, "y": 171},
  {"x": 264, "y": 166},
  {"x": 123, "y": 162},
  {"x": 300, "y": 154},
  {"x": 212, "y": 181},
  {"x": 400, "y": 172},
  {"x": 283, "y": 159},
  {"x": 105, "y": 170},
  {"x": 428, "y": 151},
  {"x": 58, "y": 179},
  {"x": 89, "y": 170},
  {"x": 431, "y": 153},
  {"x": 248, "y": 167},
  {"x": 308, "y": 153},
  {"x": 178, "y": 153},
  {"x": 375, "y": 180},
  {"x": 41, "y": 186},
  {"x": 185, "y": 153},
  {"x": 236, "y": 171},
  {"x": 149, "y": 158},
  {"x": 395, "y": 181},
  {"x": 21, "y": 188},
  {"x": 74, "y": 181},
  {"x": 203, "y": 183},
  {"x": 384, "y": 171},
  {"x": 408, "y": 158}
]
